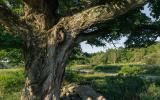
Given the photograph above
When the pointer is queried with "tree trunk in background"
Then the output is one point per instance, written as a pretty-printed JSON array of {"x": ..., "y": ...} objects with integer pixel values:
[{"x": 45, "y": 59}]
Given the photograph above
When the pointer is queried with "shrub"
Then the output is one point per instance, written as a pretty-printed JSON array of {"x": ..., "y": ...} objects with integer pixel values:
[
  {"x": 120, "y": 88},
  {"x": 152, "y": 93},
  {"x": 131, "y": 70},
  {"x": 152, "y": 69}
]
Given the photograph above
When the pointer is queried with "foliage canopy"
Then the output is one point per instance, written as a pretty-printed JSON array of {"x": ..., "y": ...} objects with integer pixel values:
[{"x": 140, "y": 29}]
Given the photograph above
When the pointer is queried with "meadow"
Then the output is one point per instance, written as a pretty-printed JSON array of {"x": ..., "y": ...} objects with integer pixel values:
[{"x": 115, "y": 82}]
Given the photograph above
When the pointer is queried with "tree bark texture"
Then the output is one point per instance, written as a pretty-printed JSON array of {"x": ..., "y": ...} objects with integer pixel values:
[{"x": 45, "y": 58}]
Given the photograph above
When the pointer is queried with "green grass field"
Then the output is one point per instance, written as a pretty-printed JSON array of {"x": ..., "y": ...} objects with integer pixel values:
[
  {"x": 11, "y": 82},
  {"x": 115, "y": 82}
]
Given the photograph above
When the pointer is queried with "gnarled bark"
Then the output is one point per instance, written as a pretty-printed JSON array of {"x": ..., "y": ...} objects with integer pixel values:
[{"x": 45, "y": 63}]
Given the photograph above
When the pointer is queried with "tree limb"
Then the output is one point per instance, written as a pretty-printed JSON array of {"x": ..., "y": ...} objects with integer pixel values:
[{"x": 98, "y": 14}]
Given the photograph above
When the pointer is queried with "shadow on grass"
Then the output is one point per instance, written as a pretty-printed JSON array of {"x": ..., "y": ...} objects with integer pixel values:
[{"x": 107, "y": 69}]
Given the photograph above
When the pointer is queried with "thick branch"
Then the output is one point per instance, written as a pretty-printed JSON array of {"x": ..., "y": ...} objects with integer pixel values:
[
  {"x": 12, "y": 22},
  {"x": 98, "y": 14}
]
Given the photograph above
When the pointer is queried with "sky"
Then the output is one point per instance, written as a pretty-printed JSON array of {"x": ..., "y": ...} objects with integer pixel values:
[{"x": 93, "y": 49}]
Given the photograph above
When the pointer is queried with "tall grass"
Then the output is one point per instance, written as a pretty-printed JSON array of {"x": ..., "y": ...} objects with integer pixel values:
[{"x": 11, "y": 83}]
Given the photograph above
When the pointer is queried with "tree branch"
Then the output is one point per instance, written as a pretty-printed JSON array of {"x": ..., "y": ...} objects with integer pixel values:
[
  {"x": 98, "y": 14},
  {"x": 12, "y": 22}
]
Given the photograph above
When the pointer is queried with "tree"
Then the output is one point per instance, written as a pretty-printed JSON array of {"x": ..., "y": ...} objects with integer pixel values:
[
  {"x": 50, "y": 29},
  {"x": 112, "y": 56}
]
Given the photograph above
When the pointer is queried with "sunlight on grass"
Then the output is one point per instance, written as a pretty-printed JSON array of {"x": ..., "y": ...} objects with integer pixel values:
[
  {"x": 97, "y": 75},
  {"x": 11, "y": 83}
]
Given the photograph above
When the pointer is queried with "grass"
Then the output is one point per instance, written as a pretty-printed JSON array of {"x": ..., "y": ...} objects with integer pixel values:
[
  {"x": 132, "y": 69},
  {"x": 114, "y": 82},
  {"x": 11, "y": 82},
  {"x": 141, "y": 70}
]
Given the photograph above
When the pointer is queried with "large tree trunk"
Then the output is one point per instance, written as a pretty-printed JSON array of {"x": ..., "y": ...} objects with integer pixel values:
[{"x": 45, "y": 57}]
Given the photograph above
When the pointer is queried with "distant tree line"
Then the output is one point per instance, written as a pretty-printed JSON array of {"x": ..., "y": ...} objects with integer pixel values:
[{"x": 147, "y": 55}]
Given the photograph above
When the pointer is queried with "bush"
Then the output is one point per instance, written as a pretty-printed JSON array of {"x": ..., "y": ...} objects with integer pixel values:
[
  {"x": 152, "y": 93},
  {"x": 131, "y": 70},
  {"x": 113, "y": 88},
  {"x": 120, "y": 88},
  {"x": 152, "y": 69}
]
